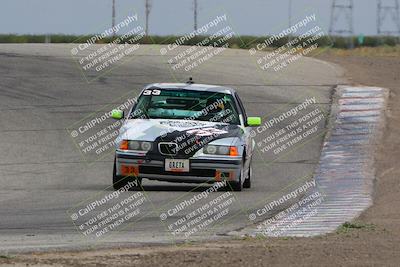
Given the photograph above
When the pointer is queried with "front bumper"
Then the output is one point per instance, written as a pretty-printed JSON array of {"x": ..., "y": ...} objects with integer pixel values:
[{"x": 202, "y": 169}]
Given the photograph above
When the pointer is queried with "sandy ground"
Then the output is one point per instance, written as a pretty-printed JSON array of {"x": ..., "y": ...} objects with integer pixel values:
[{"x": 376, "y": 242}]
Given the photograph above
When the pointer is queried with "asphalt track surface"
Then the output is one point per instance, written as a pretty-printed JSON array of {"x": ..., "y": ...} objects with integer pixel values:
[{"x": 43, "y": 175}]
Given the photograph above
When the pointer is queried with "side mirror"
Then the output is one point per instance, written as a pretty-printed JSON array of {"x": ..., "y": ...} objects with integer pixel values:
[
  {"x": 117, "y": 114},
  {"x": 253, "y": 121}
]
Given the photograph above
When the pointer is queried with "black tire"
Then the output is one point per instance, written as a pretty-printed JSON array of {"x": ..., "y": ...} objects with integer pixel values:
[
  {"x": 118, "y": 181},
  {"x": 247, "y": 181},
  {"x": 237, "y": 186},
  {"x": 121, "y": 181},
  {"x": 138, "y": 184}
]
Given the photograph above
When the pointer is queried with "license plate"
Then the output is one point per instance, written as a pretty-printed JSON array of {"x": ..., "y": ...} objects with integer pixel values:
[{"x": 177, "y": 165}]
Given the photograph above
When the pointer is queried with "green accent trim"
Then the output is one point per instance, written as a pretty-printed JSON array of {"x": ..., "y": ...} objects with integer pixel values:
[
  {"x": 254, "y": 121},
  {"x": 117, "y": 114}
]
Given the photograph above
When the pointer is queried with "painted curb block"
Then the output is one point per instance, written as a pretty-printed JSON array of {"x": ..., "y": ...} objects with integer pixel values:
[{"x": 345, "y": 174}]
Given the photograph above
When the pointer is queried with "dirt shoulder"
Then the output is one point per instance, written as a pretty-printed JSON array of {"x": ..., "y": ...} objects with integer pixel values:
[{"x": 376, "y": 241}]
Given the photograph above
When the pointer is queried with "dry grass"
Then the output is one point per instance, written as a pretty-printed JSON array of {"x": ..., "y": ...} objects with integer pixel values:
[{"x": 380, "y": 51}]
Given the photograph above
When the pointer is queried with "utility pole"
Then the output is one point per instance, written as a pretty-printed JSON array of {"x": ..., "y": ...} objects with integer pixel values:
[
  {"x": 113, "y": 17},
  {"x": 390, "y": 8},
  {"x": 290, "y": 19},
  {"x": 148, "y": 8},
  {"x": 195, "y": 14},
  {"x": 339, "y": 9}
]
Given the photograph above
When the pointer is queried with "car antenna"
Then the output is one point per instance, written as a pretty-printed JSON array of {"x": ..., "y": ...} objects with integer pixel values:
[{"x": 190, "y": 81}]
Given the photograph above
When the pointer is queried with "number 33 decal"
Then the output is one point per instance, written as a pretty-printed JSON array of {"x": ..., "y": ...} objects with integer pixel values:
[{"x": 152, "y": 92}]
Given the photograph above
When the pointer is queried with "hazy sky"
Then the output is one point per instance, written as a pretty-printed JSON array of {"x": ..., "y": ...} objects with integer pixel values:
[{"x": 251, "y": 17}]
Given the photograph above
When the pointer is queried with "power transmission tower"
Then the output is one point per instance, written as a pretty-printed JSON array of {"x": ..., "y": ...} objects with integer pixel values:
[
  {"x": 386, "y": 8},
  {"x": 148, "y": 8},
  {"x": 195, "y": 15},
  {"x": 339, "y": 9},
  {"x": 113, "y": 17}
]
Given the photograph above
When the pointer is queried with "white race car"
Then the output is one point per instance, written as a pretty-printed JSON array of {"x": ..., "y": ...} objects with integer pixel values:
[{"x": 185, "y": 132}]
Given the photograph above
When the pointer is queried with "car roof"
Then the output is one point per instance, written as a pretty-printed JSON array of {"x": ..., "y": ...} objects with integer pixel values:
[{"x": 191, "y": 86}]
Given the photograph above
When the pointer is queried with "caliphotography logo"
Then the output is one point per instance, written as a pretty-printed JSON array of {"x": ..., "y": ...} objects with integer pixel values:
[
  {"x": 122, "y": 41},
  {"x": 199, "y": 133}
]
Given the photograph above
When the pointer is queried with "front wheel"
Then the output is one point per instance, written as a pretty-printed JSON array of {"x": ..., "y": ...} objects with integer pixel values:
[
  {"x": 247, "y": 181},
  {"x": 237, "y": 186}
]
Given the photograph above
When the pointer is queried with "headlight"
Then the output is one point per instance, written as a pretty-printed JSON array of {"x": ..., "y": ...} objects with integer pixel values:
[
  {"x": 210, "y": 149},
  {"x": 135, "y": 145},
  {"x": 224, "y": 150},
  {"x": 146, "y": 146},
  {"x": 221, "y": 150}
]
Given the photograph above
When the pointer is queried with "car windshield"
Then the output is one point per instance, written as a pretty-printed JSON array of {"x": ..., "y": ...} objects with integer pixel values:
[{"x": 186, "y": 104}]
